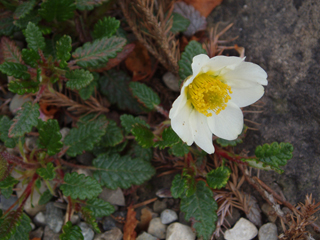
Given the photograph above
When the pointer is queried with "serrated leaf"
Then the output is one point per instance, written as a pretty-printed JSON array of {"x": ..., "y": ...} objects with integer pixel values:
[
  {"x": 16, "y": 70},
  {"x": 7, "y": 27},
  {"x": 98, "y": 52},
  {"x": 47, "y": 173},
  {"x": 71, "y": 232},
  {"x": 25, "y": 119},
  {"x": 59, "y": 10},
  {"x": 50, "y": 48},
  {"x": 21, "y": 87},
  {"x": 202, "y": 208},
  {"x": 87, "y": 215},
  {"x": 9, "y": 224},
  {"x": 88, "y": 4},
  {"x": 45, "y": 197},
  {"x": 8, "y": 182},
  {"x": 113, "y": 135},
  {"x": 78, "y": 78},
  {"x": 218, "y": 178},
  {"x": 83, "y": 138},
  {"x": 143, "y": 135},
  {"x": 11, "y": 53},
  {"x": 23, "y": 9},
  {"x": 180, "y": 149},
  {"x": 192, "y": 49},
  {"x": 63, "y": 50},
  {"x": 115, "y": 86},
  {"x": 128, "y": 122},
  {"x": 106, "y": 27},
  {"x": 179, "y": 185},
  {"x": 140, "y": 152},
  {"x": 30, "y": 57},
  {"x": 38, "y": 183},
  {"x": 115, "y": 171},
  {"x": 50, "y": 136},
  {"x": 274, "y": 155},
  {"x": 169, "y": 138},
  {"x": 79, "y": 186},
  {"x": 7, "y": 192},
  {"x": 145, "y": 95},
  {"x": 197, "y": 22},
  {"x": 5, "y": 124},
  {"x": 32, "y": 16},
  {"x": 23, "y": 229},
  {"x": 87, "y": 91},
  {"x": 99, "y": 207},
  {"x": 180, "y": 23},
  {"x": 34, "y": 37}
]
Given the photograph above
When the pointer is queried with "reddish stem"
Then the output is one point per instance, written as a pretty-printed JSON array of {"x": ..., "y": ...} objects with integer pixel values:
[
  {"x": 15, "y": 160},
  {"x": 39, "y": 94},
  {"x": 229, "y": 156}
]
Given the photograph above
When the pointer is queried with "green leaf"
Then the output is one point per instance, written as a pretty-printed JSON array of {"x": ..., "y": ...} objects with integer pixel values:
[
  {"x": 115, "y": 86},
  {"x": 17, "y": 70},
  {"x": 25, "y": 119},
  {"x": 87, "y": 216},
  {"x": 140, "y": 152},
  {"x": 179, "y": 185},
  {"x": 143, "y": 135},
  {"x": 88, "y": 4},
  {"x": 23, "y": 9},
  {"x": 180, "y": 23},
  {"x": 192, "y": 49},
  {"x": 169, "y": 138},
  {"x": 113, "y": 135},
  {"x": 63, "y": 50},
  {"x": 78, "y": 78},
  {"x": 180, "y": 149},
  {"x": 9, "y": 224},
  {"x": 47, "y": 173},
  {"x": 34, "y": 37},
  {"x": 128, "y": 122},
  {"x": 83, "y": 138},
  {"x": 87, "y": 91},
  {"x": 21, "y": 87},
  {"x": 202, "y": 208},
  {"x": 79, "y": 186},
  {"x": 59, "y": 10},
  {"x": 145, "y": 94},
  {"x": 30, "y": 57},
  {"x": 38, "y": 183},
  {"x": 98, "y": 52},
  {"x": 23, "y": 229},
  {"x": 218, "y": 178},
  {"x": 71, "y": 232},
  {"x": 45, "y": 197},
  {"x": 7, "y": 192},
  {"x": 32, "y": 16},
  {"x": 99, "y": 208},
  {"x": 273, "y": 156},
  {"x": 115, "y": 171},
  {"x": 106, "y": 27},
  {"x": 10, "y": 51},
  {"x": 50, "y": 136},
  {"x": 5, "y": 124},
  {"x": 8, "y": 182},
  {"x": 7, "y": 27}
]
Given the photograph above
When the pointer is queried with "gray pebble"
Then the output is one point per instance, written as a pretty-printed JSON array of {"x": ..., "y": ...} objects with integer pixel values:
[
  {"x": 268, "y": 231},
  {"x": 54, "y": 217},
  {"x": 48, "y": 234},
  {"x": 178, "y": 231},
  {"x": 168, "y": 216},
  {"x": 157, "y": 228},
  {"x": 114, "y": 234},
  {"x": 108, "y": 223},
  {"x": 159, "y": 206},
  {"x": 87, "y": 232},
  {"x": 40, "y": 219},
  {"x": 146, "y": 236}
]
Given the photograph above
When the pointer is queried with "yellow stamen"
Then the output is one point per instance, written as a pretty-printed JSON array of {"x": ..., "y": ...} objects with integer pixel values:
[{"x": 207, "y": 92}]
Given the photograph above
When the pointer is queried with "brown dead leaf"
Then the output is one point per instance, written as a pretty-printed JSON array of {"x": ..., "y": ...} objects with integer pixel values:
[
  {"x": 129, "y": 232},
  {"x": 118, "y": 59},
  {"x": 205, "y": 7},
  {"x": 139, "y": 62},
  {"x": 146, "y": 216}
]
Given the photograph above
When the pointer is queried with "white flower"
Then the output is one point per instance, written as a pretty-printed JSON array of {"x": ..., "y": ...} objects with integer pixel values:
[{"x": 210, "y": 99}]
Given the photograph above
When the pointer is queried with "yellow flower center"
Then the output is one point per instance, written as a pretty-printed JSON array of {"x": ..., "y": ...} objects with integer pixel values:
[{"x": 207, "y": 92}]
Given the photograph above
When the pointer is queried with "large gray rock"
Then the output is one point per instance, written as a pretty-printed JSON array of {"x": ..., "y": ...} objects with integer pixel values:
[
  {"x": 243, "y": 230},
  {"x": 178, "y": 231},
  {"x": 157, "y": 228},
  {"x": 268, "y": 231},
  {"x": 48, "y": 234},
  {"x": 114, "y": 234},
  {"x": 54, "y": 217},
  {"x": 115, "y": 197}
]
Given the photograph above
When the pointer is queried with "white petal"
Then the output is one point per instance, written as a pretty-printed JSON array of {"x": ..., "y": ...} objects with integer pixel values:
[
  {"x": 180, "y": 123},
  {"x": 177, "y": 105},
  {"x": 249, "y": 72},
  {"x": 219, "y": 62},
  {"x": 228, "y": 123},
  {"x": 197, "y": 63},
  {"x": 243, "y": 97},
  {"x": 201, "y": 132}
]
